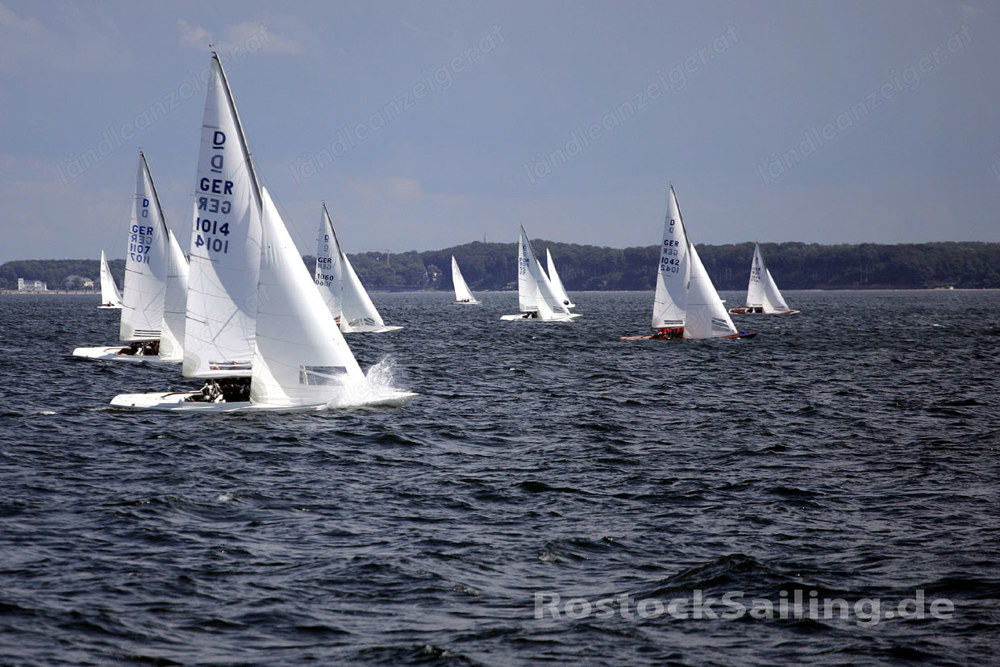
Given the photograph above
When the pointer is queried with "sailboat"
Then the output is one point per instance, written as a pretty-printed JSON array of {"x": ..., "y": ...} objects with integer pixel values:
[
  {"x": 536, "y": 298},
  {"x": 110, "y": 296},
  {"x": 147, "y": 273},
  {"x": 462, "y": 292},
  {"x": 557, "y": 286},
  {"x": 257, "y": 329},
  {"x": 686, "y": 303},
  {"x": 763, "y": 296},
  {"x": 340, "y": 286}
]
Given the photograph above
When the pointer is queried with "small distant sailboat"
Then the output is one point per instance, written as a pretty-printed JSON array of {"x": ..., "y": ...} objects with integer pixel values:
[
  {"x": 462, "y": 292},
  {"x": 110, "y": 296},
  {"x": 763, "y": 296},
  {"x": 686, "y": 303},
  {"x": 345, "y": 296},
  {"x": 557, "y": 285},
  {"x": 152, "y": 250},
  {"x": 536, "y": 297}
]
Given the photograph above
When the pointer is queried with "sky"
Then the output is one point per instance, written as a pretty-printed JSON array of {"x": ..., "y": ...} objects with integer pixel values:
[{"x": 425, "y": 125}]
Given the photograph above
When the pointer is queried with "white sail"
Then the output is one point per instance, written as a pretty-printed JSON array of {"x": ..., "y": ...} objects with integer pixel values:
[
  {"x": 774, "y": 300},
  {"x": 673, "y": 275},
  {"x": 462, "y": 292},
  {"x": 145, "y": 263},
  {"x": 359, "y": 312},
  {"x": 557, "y": 286},
  {"x": 342, "y": 290},
  {"x": 329, "y": 269},
  {"x": 110, "y": 296},
  {"x": 763, "y": 295},
  {"x": 535, "y": 296},
  {"x": 706, "y": 315},
  {"x": 301, "y": 357},
  {"x": 225, "y": 243},
  {"x": 755, "y": 289},
  {"x": 174, "y": 303},
  {"x": 527, "y": 286}
]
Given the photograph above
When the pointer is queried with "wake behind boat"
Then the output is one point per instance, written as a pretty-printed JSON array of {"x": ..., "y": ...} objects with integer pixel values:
[{"x": 686, "y": 304}]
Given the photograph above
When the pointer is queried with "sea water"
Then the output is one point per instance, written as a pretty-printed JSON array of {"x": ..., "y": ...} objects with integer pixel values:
[{"x": 824, "y": 492}]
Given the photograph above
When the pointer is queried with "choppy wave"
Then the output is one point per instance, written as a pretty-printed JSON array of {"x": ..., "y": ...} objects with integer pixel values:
[{"x": 849, "y": 453}]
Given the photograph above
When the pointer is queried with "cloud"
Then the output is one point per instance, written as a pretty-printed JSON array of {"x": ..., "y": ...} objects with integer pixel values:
[
  {"x": 71, "y": 39},
  {"x": 197, "y": 37},
  {"x": 239, "y": 37}
]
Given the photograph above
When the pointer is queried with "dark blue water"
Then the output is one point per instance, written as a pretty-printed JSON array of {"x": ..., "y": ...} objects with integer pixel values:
[{"x": 851, "y": 453}]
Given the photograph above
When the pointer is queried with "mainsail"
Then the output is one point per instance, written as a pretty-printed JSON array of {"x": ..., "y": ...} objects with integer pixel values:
[
  {"x": 225, "y": 243},
  {"x": 673, "y": 274},
  {"x": 145, "y": 263}
]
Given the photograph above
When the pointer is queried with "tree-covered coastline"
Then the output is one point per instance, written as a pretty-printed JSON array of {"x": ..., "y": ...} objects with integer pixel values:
[{"x": 493, "y": 266}]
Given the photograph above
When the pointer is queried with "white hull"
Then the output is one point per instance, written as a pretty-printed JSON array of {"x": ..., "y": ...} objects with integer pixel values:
[
  {"x": 367, "y": 329},
  {"x": 524, "y": 316},
  {"x": 110, "y": 307},
  {"x": 752, "y": 311},
  {"x": 175, "y": 401},
  {"x": 110, "y": 353}
]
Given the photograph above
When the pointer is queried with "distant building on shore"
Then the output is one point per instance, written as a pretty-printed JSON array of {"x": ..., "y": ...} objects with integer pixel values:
[
  {"x": 31, "y": 285},
  {"x": 76, "y": 282}
]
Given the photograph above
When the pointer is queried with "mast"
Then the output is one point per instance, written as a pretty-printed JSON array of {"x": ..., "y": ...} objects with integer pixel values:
[
  {"x": 156, "y": 197},
  {"x": 239, "y": 128}
]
